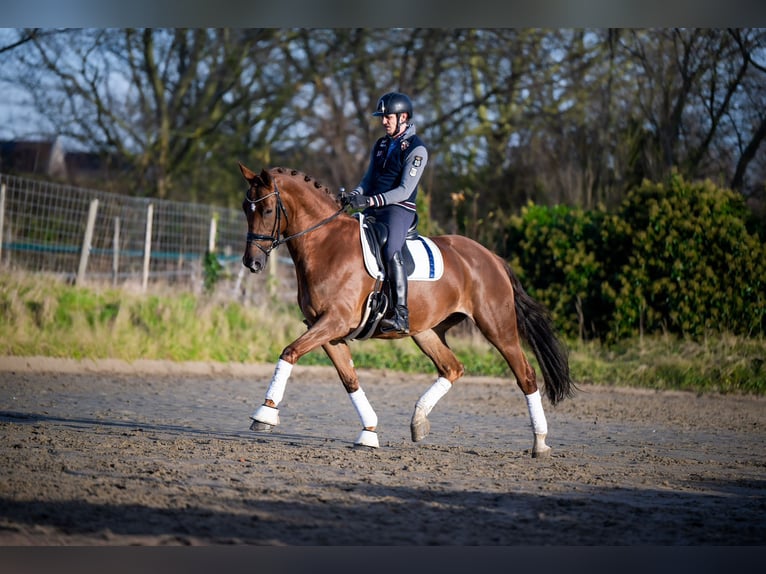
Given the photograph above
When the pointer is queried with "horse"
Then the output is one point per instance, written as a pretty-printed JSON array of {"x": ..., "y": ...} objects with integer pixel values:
[{"x": 285, "y": 206}]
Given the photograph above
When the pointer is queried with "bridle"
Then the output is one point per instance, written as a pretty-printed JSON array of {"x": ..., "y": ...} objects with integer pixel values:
[{"x": 275, "y": 238}]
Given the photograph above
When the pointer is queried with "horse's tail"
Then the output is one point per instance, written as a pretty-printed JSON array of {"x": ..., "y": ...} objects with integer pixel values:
[{"x": 536, "y": 328}]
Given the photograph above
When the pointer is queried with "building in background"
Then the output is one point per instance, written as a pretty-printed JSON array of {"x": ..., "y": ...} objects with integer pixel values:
[{"x": 50, "y": 160}]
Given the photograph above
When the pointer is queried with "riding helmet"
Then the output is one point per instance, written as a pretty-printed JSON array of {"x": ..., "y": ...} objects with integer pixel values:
[{"x": 393, "y": 103}]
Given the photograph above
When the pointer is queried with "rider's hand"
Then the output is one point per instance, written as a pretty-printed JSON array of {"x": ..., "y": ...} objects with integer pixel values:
[{"x": 357, "y": 201}]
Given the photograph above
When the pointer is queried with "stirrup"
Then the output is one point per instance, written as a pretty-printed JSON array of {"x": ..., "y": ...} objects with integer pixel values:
[
  {"x": 395, "y": 324},
  {"x": 398, "y": 329}
]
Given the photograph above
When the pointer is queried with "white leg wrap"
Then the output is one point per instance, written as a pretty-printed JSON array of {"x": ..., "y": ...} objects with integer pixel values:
[
  {"x": 363, "y": 407},
  {"x": 278, "y": 382},
  {"x": 429, "y": 399},
  {"x": 535, "y": 406}
]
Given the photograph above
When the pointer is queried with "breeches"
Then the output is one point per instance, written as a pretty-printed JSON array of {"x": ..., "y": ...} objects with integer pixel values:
[{"x": 398, "y": 220}]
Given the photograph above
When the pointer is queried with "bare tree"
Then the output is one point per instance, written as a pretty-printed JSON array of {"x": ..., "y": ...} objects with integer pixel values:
[
  {"x": 572, "y": 116},
  {"x": 699, "y": 91},
  {"x": 155, "y": 97},
  {"x": 752, "y": 47},
  {"x": 18, "y": 38}
]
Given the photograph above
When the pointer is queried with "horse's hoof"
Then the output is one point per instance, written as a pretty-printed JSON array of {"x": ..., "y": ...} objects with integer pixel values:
[
  {"x": 258, "y": 426},
  {"x": 543, "y": 453},
  {"x": 264, "y": 419},
  {"x": 268, "y": 415},
  {"x": 420, "y": 426},
  {"x": 540, "y": 449},
  {"x": 420, "y": 431},
  {"x": 368, "y": 439}
]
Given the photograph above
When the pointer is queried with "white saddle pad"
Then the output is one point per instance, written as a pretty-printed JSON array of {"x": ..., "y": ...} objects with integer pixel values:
[{"x": 429, "y": 264}]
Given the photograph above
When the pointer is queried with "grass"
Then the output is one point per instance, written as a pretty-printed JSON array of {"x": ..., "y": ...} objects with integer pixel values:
[
  {"x": 720, "y": 363},
  {"x": 40, "y": 315}
]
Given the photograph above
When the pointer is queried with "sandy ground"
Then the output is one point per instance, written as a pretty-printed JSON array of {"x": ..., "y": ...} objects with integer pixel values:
[{"x": 151, "y": 453}]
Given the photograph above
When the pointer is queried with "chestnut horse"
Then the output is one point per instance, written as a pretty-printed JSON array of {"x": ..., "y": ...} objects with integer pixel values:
[{"x": 285, "y": 206}]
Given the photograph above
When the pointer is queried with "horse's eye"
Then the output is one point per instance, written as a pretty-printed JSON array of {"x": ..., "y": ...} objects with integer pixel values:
[{"x": 268, "y": 211}]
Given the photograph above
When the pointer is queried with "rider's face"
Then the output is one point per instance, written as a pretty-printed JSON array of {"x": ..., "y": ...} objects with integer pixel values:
[{"x": 389, "y": 123}]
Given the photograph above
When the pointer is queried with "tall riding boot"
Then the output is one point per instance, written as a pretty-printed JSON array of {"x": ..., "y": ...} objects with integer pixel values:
[{"x": 398, "y": 319}]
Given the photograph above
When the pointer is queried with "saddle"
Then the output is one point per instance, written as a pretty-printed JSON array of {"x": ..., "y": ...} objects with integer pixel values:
[
  {"x": 376, "y": 235},
  {"x": 422, "y": 262}
]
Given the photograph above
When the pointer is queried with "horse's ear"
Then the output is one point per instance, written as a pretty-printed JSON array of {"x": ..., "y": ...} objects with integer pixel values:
[
  {"x": 248, "y": 174},
  {"x": 266, "y": 178}
]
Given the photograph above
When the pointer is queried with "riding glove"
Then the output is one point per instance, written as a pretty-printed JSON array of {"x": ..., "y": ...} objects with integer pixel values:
[{"x": 358, "y": 201}]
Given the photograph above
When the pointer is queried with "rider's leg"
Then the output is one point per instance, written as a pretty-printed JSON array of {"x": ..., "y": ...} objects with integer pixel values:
[
  {"x": 399, "y": 320},
  {"x": 398, "y": 221}
]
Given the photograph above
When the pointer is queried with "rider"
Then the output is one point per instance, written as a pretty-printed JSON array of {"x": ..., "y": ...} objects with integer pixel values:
[{"x": 388, "y": 191}]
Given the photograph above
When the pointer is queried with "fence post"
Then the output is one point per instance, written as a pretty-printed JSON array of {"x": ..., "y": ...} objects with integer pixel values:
[
  {"x": 116, "y": 251},
  {"x": 86, "y": 241},
  {"x": 211, "y": 237},
  {"x": 147, "y": 245},
  {"x": 2, "y": 218}
]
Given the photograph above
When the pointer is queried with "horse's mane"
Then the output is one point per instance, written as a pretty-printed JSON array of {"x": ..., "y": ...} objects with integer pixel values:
[{"x": 308, "y": 179}]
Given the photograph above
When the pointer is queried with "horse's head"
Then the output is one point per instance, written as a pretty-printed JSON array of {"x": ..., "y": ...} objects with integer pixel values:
[{"x": 265, "y": 217}]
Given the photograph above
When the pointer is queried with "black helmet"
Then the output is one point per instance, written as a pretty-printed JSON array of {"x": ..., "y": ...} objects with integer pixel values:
[{"x": 393, "y": 103}]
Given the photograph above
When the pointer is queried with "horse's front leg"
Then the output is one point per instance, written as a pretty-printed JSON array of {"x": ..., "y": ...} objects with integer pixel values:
[
  {"x": 266, "y": 416},
  {"x": 340, "y": 355}
]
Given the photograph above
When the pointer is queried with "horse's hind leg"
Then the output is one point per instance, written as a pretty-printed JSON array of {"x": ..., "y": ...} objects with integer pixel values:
[
  {"x": 500, "y": 329},
  {"x": 340, "y": 355},
  {"x": 528, "y": 385},
  {"x": 434, "y": 345}
]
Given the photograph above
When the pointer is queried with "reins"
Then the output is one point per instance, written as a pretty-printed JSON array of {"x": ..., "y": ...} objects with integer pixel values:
[{"x": 276, "y": 240}]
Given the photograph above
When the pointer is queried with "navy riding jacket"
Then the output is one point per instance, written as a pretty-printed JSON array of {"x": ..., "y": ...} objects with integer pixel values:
[{"x": 396, "y": 165}]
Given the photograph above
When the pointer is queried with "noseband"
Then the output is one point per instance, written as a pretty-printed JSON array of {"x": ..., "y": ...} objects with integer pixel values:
[{"x": 275, "y": 238}]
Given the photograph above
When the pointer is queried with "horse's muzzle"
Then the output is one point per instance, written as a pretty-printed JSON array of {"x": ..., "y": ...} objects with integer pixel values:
[{"x": 253, "y": 265}]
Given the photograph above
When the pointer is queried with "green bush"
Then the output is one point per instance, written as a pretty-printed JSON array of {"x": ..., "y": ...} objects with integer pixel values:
[
  {"x": 212, "y": 271},
  {"x": 676, "y": 258},
  {"x": 693, "y": 267},
  {"x": 560, "y": 255}
]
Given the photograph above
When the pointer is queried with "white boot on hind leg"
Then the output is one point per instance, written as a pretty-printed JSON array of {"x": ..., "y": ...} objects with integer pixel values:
[
  {"x": 539, "y": 425},
  {"x": 419, "y": 425}
]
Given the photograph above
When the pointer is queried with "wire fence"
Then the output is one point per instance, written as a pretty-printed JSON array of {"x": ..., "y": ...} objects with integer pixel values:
[{"x": 90, "y": 235}]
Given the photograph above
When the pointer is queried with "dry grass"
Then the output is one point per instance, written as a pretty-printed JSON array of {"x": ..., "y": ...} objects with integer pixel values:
[{"x": 41, "y": 315}]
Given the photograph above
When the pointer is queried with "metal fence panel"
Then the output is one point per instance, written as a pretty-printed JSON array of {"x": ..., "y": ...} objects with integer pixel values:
[{"x": 44, "y": 223}]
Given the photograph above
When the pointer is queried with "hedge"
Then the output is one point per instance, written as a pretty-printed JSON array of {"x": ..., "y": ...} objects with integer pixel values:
[{"x": 676, "y": 257}]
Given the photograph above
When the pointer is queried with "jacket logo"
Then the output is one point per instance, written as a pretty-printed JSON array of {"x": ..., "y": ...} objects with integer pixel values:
[{"x": 418, "y": 161}]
